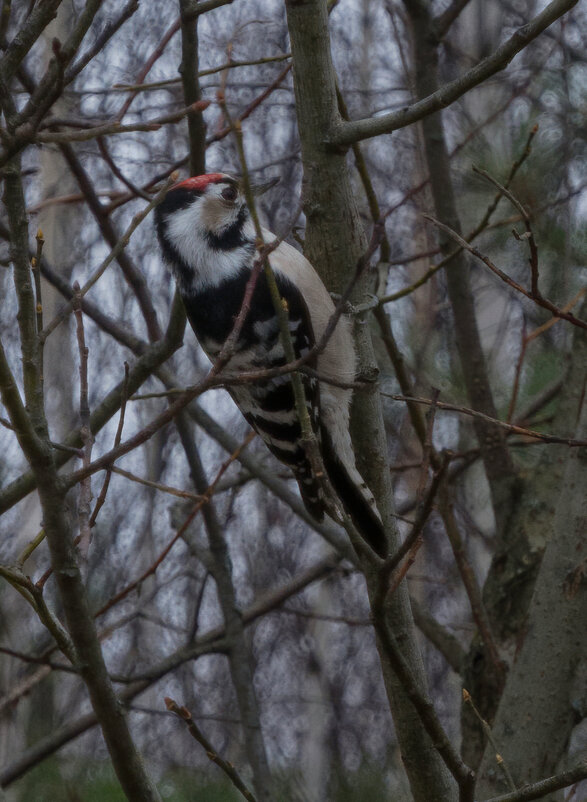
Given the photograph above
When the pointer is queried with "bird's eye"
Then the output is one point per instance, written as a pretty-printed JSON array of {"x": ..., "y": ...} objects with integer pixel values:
[{"x": 229, "y": 193}]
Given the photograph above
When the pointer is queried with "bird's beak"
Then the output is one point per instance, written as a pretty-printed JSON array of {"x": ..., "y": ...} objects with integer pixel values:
[{"x": 261, "y": 189}]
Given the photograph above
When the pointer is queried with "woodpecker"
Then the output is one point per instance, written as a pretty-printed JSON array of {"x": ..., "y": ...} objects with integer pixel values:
[{"x": 208, "y": 239}]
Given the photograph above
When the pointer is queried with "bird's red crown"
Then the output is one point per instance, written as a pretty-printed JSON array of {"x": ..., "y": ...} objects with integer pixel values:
[{"x": 200, "y": 182}]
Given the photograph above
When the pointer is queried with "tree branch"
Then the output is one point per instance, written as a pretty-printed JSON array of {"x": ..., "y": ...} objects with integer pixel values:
[
  {"x": 210, "y": 642},
  {"x": 540, "y": 789},
  {"x": 345, "y": 133},
  {"x": 530, "y": 294}
]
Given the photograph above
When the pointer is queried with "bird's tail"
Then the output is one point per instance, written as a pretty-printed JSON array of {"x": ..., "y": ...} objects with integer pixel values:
[{"x": 356, "y": 498}]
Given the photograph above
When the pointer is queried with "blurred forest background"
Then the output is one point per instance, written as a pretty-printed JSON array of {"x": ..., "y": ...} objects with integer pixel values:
[{"x": 206, "y": 579}]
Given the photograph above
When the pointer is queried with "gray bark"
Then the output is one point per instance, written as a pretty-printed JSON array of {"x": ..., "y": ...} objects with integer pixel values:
[
  {"x": 32, "y": 431},
  {"x": 537, "y": 713},
  {"x": 496, "y": 458},
  {"x": 334, "y": 243},
  {"x": 239, "y": 655}
]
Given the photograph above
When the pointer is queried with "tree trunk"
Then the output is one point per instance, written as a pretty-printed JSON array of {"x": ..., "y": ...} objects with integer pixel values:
[{"x": 334, "y": 243}]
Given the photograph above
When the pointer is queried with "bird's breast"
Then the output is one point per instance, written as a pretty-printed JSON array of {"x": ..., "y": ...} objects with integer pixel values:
[{"x": 212, "y": 313}]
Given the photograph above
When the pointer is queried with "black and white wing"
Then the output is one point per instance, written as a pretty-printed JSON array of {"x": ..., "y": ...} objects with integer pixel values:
[{"x": 269, "y": 406}]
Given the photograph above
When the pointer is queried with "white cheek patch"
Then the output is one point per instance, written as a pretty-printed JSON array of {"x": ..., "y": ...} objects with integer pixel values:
[{"x": 210, "y": 265}]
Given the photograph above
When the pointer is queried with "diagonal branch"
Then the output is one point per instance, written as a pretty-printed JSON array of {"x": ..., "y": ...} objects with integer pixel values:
[
  {"x": 211, "y": 641},
  {"x": 184, "y": 714},
  {"x": 345, "y": 133},
  {"x": 39, "y": 18},
  {"x": 556, "y": 311},
  {"x": 540, "y": 789}
]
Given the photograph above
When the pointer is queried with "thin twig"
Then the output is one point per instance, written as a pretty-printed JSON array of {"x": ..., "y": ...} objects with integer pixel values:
[
  {"x": 425, "y": 508},
  {"x": 117, "y": 438},
  {"x": 510, "y": 427},
  {"x": 40, "y": 583},
  {"x": 489, "y": 735},
  {"x": 172, "y": 491},
  {"x": 34, "y": 596},
  {"x": 112, "y": 128},
  {"x": 511, "y": 175},
  {"x": 30, "y": 548},
  {"x": 85, "y": 496},
  {"x": 180, "y": 532},
  {"x": 230, "y": 65},
  {"x": 540, "y": 789},
  {"x": 101, "y": 40},
  {"x": 106, "y": 155},
  {"x": 40, "y": 661},
  {"x": 472, "y": 587},
  {"x": 155, "y": 55},
  {"x": 473, "y": 234},
  {"x": 529, "y": 235},
  {"x": 184, "y": 714},
  {"x": 116, "y": 250},
  {"x": 538, "y": 299}
]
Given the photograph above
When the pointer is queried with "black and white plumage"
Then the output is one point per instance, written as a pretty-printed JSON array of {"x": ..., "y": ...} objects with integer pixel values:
[{"x": 208, "y": 239}]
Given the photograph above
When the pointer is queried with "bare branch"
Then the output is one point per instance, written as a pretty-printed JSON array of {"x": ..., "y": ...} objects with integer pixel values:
[
  {"x": 540, "y": 789},
  {"x": 538, "y": 299},
  {"x": 211, "y": 641},
  {"x": 102, "y": 39},
  {"x": 114, "y": 254},
  {"x": 510, "y": 427},
  {"x": 40, "y": 17},
  {"x": 109, "y": 129},
  {"x": 345, "y": 133},
  {"x": 85, "y": 498},
  {"x": 184, "y": 714},
  {"x": 464, "y": 776},
  {"x": 445, "y": 19}
]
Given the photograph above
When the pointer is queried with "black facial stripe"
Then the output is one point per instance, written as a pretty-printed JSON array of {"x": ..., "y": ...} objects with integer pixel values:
[{"x": 232, "y": 237}]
